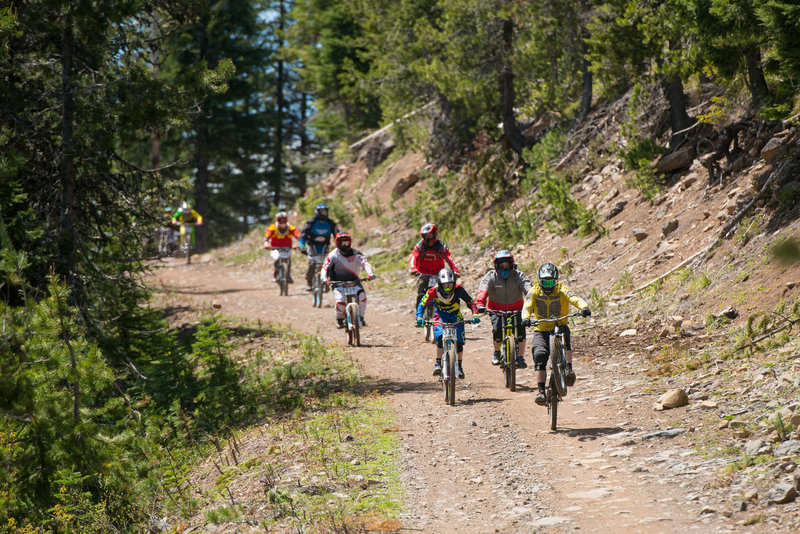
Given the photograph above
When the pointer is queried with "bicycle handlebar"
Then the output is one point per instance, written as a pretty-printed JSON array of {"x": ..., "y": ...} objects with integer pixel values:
[
  {"x": 345, "y": 282},
  {"x": 555, "y": 319},
  {"x": 440, "y": 323}
]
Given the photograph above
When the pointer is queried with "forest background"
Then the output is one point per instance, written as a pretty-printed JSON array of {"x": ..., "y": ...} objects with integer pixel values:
[{"x": 113, "y": 112}]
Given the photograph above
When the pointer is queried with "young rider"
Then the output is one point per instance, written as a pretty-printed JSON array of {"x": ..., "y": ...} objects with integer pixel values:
[
  {"x": 446, "y": 299},
  {"x": 550, "y": 299},
  {"x": 344, "y": 264},
  {"x": 187, "y": 214},
  {"x": 317, "y": 235},
  {"x": 504, "y": 288},
  {"x": 428, "y": 258},
  {"x": 279, "y": 235}
]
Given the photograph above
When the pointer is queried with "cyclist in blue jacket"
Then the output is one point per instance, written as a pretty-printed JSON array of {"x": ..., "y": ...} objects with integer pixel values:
[
  {"x": 316, "y": 237},
  {"x": 446, "y": 299}
]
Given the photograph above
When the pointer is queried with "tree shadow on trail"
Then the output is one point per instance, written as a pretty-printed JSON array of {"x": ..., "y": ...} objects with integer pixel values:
[
  {"x": 484, "y": 400},
  {"x": 591, "y": 434}
]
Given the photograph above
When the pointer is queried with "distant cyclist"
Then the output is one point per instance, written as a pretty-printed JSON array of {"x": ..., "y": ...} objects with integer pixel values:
[
  {"x": 550, "y": 299},
  {"x": 504, "y": 288},
  {"x": 344, "y": 264},
  {"x": 279, "y": 235},
  {"x": 316, "y": 238},
  {"x": 187, "y": 214},
  {"x": 446, "y": 300},
  {"x": 428, "y": 258}
]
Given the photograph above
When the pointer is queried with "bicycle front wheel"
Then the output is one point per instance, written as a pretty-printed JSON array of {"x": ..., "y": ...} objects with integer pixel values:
[
  {"x": 352, "y": 324},
  {"x": 557, "y": 371},
  {"x": 552, "y": 406},
  {"x": 284, "y": 279},
  {"x": 450, "y": 382},
  {"x": 316, "y": 291}
]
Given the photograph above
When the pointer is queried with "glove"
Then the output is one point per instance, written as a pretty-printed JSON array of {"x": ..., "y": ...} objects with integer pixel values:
[
  {"x": 419, "y": 321},
  {"x": 371, "y": 277},
  {"x": 586, "y": 312},
  {"x": 414, "y": 273},
  {"x": 526, "y": 323},
  {"x": 304, "y": 252},
  {"x": 476, "y": 319},
  {"x": 266, "y": 245},
  {"x": 325, "y": 281},
  {"x": 481, "y": 309},
  {"x": 199, "y": 223}
]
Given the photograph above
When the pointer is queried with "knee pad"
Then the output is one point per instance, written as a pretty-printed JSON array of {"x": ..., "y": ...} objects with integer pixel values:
[{"x": 540, "y": 360}]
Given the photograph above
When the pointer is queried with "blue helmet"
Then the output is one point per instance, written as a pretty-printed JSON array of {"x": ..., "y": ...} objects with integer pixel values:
[
  {"x": 504, "y": 263},
  {"x": 320, "y": 208}
]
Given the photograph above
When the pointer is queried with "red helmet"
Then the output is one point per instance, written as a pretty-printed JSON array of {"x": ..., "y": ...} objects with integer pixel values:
[
  {"x": 429, "y": 233},
  {"x": 281, "y": 217},
  {"x": 343, "y": 240}
]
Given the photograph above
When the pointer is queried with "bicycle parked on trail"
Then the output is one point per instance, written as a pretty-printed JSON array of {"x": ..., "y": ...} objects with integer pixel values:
[
  {"x": 558, "y": 385},
  {"x": 352, "y": 315},
  {"x": 451, "y": 359}
]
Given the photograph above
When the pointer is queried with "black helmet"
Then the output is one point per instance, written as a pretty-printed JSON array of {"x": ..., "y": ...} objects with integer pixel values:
[
  {"x": 446, "y": 285},
  {"x": 548, "y": 277}
]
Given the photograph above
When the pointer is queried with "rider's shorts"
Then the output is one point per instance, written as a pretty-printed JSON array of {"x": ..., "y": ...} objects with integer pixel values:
[
  {"x": 542, "y": 340},
  {"x": 498, "y": 327}
]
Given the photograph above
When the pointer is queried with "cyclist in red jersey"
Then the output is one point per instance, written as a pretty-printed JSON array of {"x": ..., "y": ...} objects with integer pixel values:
[{"x": 430, "y": 255}]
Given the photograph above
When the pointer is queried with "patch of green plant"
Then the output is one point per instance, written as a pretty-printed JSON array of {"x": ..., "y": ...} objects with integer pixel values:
[
  {"x": 786, "y": 251},
  {"x": 561, "y": 212},
  {"x": 625, "y": 281},
  {"x": 783, "y": 428},
  {"x": 365, "y": 209},
  {"x": 447, "y": 201},
  {"x": 598, "y": 301},
  {"x": 701, "y": 281}
]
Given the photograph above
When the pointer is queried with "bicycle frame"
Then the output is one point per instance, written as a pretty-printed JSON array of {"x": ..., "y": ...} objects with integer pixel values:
[
  {"x": 427, "y": 313},
  {"x": 283, "y": 256},
  {"x": 350, "y": 289},
  {"x": 510, "y": 346},
  {"x": 450, "y": 363},
  {"x": 316, "y": 256}
]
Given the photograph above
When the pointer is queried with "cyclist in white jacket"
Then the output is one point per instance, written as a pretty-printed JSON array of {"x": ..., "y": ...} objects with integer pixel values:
[{"x": 345, "y": 264}]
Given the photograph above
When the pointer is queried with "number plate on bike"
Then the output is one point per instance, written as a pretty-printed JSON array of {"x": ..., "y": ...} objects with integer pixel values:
[
  {"x": 449, "y": 332},
  {"x": 282, "y": 253},
  {"x": 349, "y": 290},
  {"x": 318, "y": 258}
]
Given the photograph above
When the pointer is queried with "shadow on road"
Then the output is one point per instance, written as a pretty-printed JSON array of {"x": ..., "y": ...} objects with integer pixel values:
[{"x": 591, "y": 434}]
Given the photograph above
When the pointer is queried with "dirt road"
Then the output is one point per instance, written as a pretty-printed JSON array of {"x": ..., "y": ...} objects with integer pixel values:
[{"x": 490, "y": 463}]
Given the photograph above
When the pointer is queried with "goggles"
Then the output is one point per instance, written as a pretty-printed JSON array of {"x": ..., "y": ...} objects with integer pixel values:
[
  {"x": 344, "y": 243},
  {"x": 428, "y": 236},
  {"x": 504, "y": 266},
  {"x": 548, "y": 283},
  {"x": 448, "y": 286}
]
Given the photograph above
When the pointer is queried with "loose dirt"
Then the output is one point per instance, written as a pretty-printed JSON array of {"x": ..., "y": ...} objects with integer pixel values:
[{"x": 490, "y": 463}]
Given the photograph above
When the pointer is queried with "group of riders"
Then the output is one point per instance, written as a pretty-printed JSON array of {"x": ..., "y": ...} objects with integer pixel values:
[{"x": 504, "y": 288}]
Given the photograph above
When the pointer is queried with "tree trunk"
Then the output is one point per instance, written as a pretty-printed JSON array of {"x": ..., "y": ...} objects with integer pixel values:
[
  {"x": 586, "y": 92},
  {"x": 678, "y": 117},
  {"x": 201, "y": 150},
  {"x": 755, "y": 76},
  {"x": 510, "y": 129},
  {"x": 280, "y": 104},
  {"x": 304, "y": 144},
  {"x": 66, "y": 236}
]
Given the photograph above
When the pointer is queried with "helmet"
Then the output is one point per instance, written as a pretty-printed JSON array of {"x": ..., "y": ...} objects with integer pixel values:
[
  {"x": 281, "y": 217},
  {"x": 186, "y": 207},
  {"x": 344, "y": 241},
  {"x": 548, "y": 277},
  {"x": 320, "y": 208},
  {"x": 504, "y": 263},
  {"x": 429, "y": 233},
  {"x": 446, "y": 285}
]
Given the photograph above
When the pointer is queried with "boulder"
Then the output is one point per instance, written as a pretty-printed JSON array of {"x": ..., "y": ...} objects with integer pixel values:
[
  {"x": 639, "y": 234},
  {"x": 669, "y": 227},
  {"x": 673, "y": 161},
  {"x": 782, "y": 494},
  {"x": 772, "y": 147},
  {"x": 674, "y": 398},
  {"x": 405, "y": 183}
]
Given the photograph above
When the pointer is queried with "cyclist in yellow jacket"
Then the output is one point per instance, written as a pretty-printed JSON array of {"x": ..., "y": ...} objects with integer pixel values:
[{"x": 550, "y": 299}]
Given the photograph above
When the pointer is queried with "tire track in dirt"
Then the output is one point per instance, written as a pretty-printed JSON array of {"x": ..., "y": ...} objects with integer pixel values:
[{"x": 490, "y": 463}]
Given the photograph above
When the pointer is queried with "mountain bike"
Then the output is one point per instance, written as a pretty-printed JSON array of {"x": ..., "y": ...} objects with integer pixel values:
[
  {"x": 351, "y": 289},
  {"x": 283, "y": 256},
  {"x": 316, "y": 256},
  {"x": 427, "y": 313},
  {"x": 186, "y": 240},
  {"x": 450, "y": 363},
  {"x": 510, "y": 347},
  {"x": 557, "y": 385}
]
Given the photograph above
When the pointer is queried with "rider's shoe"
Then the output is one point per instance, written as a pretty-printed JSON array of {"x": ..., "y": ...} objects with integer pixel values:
[
  {"x": 540, "y": 399},
  {"x": 290, "y": 279},
  {"x": 521, "y": 364},
  {"x": 570, "y": 376},
  {"x": 496, "y": 358},
  {"x": 340, "y": 323},
  {"x": 460, "y": 371},
  {"x": 275, "y": 276},
  {"x": 437, "y": 368},
  {"x": 363, "y": 322}
]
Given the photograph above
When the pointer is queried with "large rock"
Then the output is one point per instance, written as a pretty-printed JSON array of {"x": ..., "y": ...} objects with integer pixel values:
[
  {"x": 676, "y": 160},
  {"x": 772, "y": 147},
  {"x": 669, "y": 227},
  {"x": 782, "y": 494},
  {"x": 788, "y": 448},
  {"x": 377, "y": 153},
  {"x": 639, "y": 234},
  {"x": 405, "y": 184},
  {"x": 674, "y": 398}
]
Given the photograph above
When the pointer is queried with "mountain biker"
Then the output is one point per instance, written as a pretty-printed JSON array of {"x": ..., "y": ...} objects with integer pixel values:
[
  {"x": 187, "y": 214},
  {"x": 504, "y": 288},
  {"x": 344, "y": 264},
  {"x": 446, "y": 299},
  {"x": 317, "y": 234},
  {"x": 429, "y": 257},
  {"x": 279, "y": 235},
  {"x": 550, "y": 299}
]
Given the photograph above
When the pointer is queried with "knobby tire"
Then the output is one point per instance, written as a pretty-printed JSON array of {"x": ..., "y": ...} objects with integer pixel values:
[
  {"x": 552, "y": 406},
  {"x": 352, "y": 323},
  {"x": 557, "y": 371},
  {"x": 283, "y": 280},
  {"x": 450, "y": 386}
]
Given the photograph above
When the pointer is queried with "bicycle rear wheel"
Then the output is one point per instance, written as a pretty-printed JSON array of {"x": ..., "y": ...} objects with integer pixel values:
[
  {"x": 509, "y": 365},
  {"x": 557, "y": 371},
  {"x": 427, "y": 315},
  {"x": 316, "y": 291}
]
